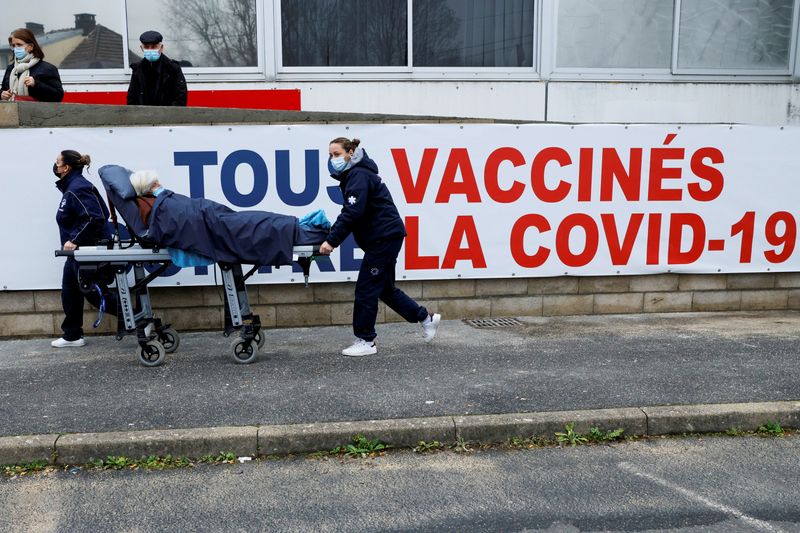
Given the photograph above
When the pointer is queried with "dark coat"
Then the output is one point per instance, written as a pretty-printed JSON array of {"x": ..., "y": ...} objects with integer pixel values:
[
  {"x": 207, "y": 228},
  {"x": 82, "y": 215},
  {"x": 169, "y": 87},
  {"x": 368, "y": 210},
  {"x": 48, "y": 83}
]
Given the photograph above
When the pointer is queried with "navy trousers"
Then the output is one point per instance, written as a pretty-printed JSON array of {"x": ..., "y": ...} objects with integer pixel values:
[
  {"x": 72, "y": 300},
  {"x": 376, "y": 281}
]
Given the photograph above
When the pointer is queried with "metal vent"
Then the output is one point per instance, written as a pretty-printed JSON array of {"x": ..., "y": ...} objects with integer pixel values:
[{"x": 484, "y": 323}]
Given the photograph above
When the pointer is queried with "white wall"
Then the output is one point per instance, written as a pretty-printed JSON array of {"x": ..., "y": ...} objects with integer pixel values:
[
  {"x": 746, "y": 103},
  {"x": 553, "y": 101}
]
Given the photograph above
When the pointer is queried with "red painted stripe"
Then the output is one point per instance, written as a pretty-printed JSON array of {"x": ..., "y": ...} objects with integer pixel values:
[{"x": 275, "y": 99}]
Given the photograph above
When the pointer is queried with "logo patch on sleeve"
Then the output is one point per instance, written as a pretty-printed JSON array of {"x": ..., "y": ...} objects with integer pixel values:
[{"x": 351, "y": 200}]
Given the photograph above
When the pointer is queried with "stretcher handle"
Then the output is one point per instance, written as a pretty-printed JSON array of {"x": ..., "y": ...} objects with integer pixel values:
[{"x": 65, "y": 253}]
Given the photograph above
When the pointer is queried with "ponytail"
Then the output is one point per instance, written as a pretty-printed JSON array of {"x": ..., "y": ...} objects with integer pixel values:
[
  {"x": 76, "y": 160},
  {"x": 346, "y": 143}
]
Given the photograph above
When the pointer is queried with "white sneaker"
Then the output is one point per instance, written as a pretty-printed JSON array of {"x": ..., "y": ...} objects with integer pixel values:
[
  {"x": 63, "y": 343},
  {"x": 429, "y": 326},
  {"x": 360, "y": 348}
]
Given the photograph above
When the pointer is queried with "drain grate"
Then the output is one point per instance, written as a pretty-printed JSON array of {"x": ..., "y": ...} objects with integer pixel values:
[{"x": 484, "y": 323}]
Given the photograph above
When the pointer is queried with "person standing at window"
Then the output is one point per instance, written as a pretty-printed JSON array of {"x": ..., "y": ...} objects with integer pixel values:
[
  {"x": 156, "y": 79},
  {"x": 369, "y": 213},
  {"x": 28, "y": 76},
  {"x": 82, "y": 221}
]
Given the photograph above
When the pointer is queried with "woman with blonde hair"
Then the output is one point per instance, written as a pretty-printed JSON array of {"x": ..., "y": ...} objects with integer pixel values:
[{"x": 28, "y": 76}]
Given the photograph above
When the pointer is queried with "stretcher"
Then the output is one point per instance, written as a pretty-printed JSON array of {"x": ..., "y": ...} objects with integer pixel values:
[{"x": 106, "y": 269}]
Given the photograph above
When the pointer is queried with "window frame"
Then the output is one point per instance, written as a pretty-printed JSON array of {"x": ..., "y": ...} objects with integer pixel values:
[
  {"x": 101, "y": 75},
  {"x": 252, "y": 73},
  {"x": 671, "y": 74},
  {"x": 710, "y": 71},
  {"x": 410, "y": 71}
]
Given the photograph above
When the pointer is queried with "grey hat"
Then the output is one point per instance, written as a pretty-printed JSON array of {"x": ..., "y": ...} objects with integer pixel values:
[{"x": 151, "y": 37}]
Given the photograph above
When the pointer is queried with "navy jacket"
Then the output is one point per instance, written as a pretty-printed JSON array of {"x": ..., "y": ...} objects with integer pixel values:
[
  {"x": 368, "y": 210},
  {"x": 82, "y": 214},
  {"x": 207, "y": 228},
  {"x": 159, "y": 83},
  {"x": 48, "y": 83}
]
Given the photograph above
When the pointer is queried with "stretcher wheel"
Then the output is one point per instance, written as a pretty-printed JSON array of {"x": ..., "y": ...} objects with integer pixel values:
[
  {"x": 151, "y": 354},
  {"x": 169, "y": 339},
  {"x": 260, "y": 339},
  {"x": 244, "y": 352}
]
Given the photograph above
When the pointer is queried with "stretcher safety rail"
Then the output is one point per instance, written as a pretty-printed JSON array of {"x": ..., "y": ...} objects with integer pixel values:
[{"x": 102, "y": 268}]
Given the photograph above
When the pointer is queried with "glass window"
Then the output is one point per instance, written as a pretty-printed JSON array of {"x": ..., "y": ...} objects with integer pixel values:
[
  {"x": 735, "y": 34},
  {"x": 614, "y": 34},
  {"x": 344, "y": 33},
  {"x": 79, "y": 34},
  {"x": 473, "y": 33},
  {"x": 199, "y": 33}
]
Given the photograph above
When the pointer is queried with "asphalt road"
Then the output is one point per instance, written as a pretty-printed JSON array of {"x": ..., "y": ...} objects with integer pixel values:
[
  {"x": 715, "y": 484},
  {"x": 548, "y": 364}
]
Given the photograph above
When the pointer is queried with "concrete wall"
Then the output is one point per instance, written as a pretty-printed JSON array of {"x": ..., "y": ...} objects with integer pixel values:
[{"x": 38, "y": 313}]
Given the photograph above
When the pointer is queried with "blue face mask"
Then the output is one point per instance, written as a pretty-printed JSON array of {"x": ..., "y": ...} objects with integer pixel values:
[
  {"x": 19, "y": 52},
  {"x": 152, "y": 55},
  {"x": 338, "y": 163}
]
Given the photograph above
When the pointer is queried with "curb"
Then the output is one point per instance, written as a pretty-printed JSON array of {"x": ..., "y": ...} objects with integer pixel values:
[{"x": 82, "y": 448}]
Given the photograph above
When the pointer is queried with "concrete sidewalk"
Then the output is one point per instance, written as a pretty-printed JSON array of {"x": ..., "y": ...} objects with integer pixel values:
[{"x": 300, "y": 385}]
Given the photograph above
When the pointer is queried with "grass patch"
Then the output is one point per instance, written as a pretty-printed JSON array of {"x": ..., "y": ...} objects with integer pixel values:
[
  {"x": 361, "y": 447},
  {"x": 771, "y": 428},
  {"x": 428, "y": 447},
  {"x": 24, "y": 469}
]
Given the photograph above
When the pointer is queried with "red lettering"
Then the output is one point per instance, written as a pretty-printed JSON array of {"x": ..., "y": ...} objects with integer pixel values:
[
  {"x": 518, "y": 241},
  {"x": 653, "y": 238},
  {"x": 414, "y": 191},
  {"x": 658, "y": 173},
  {"x": 589, "y": 227},
  {"x": 560, "y": 156},
  {"x": 414, "y": 261},
  {"x": 464, "y": 228},
  {"x": 677, "y": 221},
  {"x": 629, "y": 181},
  {"x": 458, "y": 163},
  {"x": 585, "y": 175},
  {"x": 712, "y": 175},
  {"x": 490, "y": 175},
  {"x": 621, "y": 253}
]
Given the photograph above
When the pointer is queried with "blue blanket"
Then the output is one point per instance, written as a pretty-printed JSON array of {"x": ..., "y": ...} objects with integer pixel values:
[{"x": 216, "y": 231}]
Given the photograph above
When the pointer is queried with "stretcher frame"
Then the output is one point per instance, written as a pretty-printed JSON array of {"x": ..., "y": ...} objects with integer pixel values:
[{"x": 108, "y": 267}]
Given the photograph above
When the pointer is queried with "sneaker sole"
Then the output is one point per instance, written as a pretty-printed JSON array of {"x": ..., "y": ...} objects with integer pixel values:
[
  {"x": 371, "y": 352},
  {"x": 67, "y": 345}
]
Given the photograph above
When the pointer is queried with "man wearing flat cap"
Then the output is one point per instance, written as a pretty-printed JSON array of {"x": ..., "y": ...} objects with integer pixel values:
[{"x": 156, "y": 79}]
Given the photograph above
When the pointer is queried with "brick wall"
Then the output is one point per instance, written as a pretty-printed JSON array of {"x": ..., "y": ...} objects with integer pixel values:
[{"x": 38, "y": 313}]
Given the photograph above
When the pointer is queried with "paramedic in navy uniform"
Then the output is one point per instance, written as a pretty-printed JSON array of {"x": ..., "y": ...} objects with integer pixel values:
[
  {"x": 369, "y": 213},
  {"x": 82, "y": 221}
]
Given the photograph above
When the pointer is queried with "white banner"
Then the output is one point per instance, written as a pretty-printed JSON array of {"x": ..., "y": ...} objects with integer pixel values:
[{"x": 479, "y": 201}]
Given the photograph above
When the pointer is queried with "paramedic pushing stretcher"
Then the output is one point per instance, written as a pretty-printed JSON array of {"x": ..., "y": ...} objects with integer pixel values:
[
  {"x": 369, "y": 213},
  {"x": 82, "y": 220}
]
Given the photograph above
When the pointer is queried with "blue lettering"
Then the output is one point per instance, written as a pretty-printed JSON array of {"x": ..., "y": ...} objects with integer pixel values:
[
  {"x": 283, "y": 178},
  {"x": 195, "y": 161},
  {"x": 260, "y": 182}
]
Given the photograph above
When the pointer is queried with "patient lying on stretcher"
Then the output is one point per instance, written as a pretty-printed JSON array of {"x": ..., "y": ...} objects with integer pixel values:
[{"x": 199, "y": 231}]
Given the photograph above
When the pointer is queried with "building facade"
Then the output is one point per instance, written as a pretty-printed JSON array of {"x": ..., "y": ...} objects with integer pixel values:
[{"x": 534, "y": 60}]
